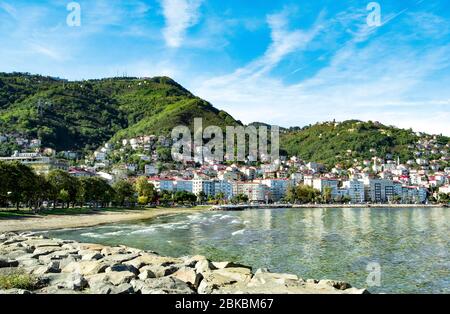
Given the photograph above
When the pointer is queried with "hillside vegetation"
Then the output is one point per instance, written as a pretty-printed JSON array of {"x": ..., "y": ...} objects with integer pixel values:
[{"x": 82, "y": 115}]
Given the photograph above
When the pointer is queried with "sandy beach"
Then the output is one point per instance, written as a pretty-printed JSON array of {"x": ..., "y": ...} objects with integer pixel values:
[{"x": 51, "y": 222}]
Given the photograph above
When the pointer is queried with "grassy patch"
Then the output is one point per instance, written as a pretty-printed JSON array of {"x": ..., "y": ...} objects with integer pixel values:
[
  {"x": 17, "y": 279},
  {"x": 14, "y": 214}
]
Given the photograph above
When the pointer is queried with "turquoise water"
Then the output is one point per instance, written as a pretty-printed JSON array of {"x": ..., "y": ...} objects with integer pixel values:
[{"x": 410, "y": 245}]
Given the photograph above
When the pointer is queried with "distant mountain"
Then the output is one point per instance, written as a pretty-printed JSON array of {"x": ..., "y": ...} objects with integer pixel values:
[{"x": 81, "y": 115}]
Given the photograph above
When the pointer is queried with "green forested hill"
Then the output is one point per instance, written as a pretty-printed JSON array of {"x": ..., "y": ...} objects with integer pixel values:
[
  {"x": 332, "y": 143},
  {"x": 82, "y": 115},
  {"x": 68, "y": 115}
]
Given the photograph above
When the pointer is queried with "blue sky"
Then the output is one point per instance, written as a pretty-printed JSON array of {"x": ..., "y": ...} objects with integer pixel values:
[{"x": 283, "y": 62}]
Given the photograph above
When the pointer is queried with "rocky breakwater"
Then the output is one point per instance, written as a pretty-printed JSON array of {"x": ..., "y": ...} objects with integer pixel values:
[{"x": 68, "y": 267}]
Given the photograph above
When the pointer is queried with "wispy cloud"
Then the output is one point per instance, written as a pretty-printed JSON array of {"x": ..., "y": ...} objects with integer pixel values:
[
  {"x": 179, "y": 16},
  {"x": 364, "y": 81},
  {"x": 8, "y": 9}
]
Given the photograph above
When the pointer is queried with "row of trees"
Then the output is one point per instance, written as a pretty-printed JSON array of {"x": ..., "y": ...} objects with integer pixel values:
[
  {"x": 304, "y": 194},
  {"x": 21, "y": 186}
]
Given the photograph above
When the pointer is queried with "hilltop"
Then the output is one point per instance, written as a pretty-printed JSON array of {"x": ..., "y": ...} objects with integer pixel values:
[
  {"x": 81, "y": 115},
  {"x": 353, "y": 141}
]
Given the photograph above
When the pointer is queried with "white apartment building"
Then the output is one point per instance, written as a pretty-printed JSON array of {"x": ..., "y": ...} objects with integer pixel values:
[
  {"x": 199, "y": 185},
  {"x": 321, "y": 183},
  {"x": 355, "y": 190},
  {"x": 277, "y": 188}
]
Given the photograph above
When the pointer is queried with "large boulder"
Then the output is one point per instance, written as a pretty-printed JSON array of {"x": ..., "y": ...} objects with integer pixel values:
[
  {"x": 163, "y": 285},
  {"x": 189, "y": 276},
  {"x": 119, "y": 277},
  {"x": 122, "y": 267},
  {"x": 120, "y": 258},
  {"x": 152, "y": 259},
  {"x": 220, "y": 278},
  {"x": 89, "y": 255},
  {"x": 86, "y": 267}
]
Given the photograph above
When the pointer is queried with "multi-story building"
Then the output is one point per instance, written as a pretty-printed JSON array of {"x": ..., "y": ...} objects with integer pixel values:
[
  {"x": 322, "y": 183},
  {"x": 355, "y": 190},
  {"x": 277, "y": 188},
  {"x": 205, "y": 186},
  {"x": 256, "y": 192},
  {"x": 162, "y": 184},
  {"x": 224, "y": 187},
  {"x": 379, "y": 190},
  {"x": 40, "y": 164},
  {"x": 183, "y": 185}
]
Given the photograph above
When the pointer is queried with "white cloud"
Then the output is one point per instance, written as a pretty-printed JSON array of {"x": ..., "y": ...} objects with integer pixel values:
[
  {"x": 179, "y": 16},
  {"x": 380, "y": 80}
]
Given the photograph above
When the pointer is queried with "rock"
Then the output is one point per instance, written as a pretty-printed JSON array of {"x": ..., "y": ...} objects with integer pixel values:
[
  {"x": 189, "y": 276},
  {"x": 167, "y": 285},
  {"x": 101, "y": 288},
  {"x": 191, "y": 261},
  {"x": 90, "y": 255},
  {"x": 85, "y": 267},
  {"x": 124, "y": 288},
  {"x": 221, "y": 265},
  {"x": 108, "y": 288},
  {"x": 76, "y": 282},
  {"x": 340, "y": 285},
  {"x": 44, "y": 250},
  {"x": 52, "y": 267},
  {"x": 204, "y": 266},
  {"x": 15, "y": 291},
  {"x": 122, "y": 267},
  {"x": 90, "y": 246},
  {"x": 56, "y": 290},
  {"x": 113, "y": 251},
  {"x": 96, "y": 279},
  {"x": 152, "y": 259},
  {"x": 36, "y": 243},
  {"x": 121, "y": 258},
  {"x": 66, "y": 261},
  {"x": 58, "y": 255},
  {"x": 220, "y": 278},
  {"x": 119, "y": 277},
  {"x": 8, "y": 263},
  {"x": 30, "y": 262},
  {"x": 65, "y": 281},
  {"x": 156, "y": 271}
]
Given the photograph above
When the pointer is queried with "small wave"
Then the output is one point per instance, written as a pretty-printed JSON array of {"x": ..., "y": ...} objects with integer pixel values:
[
  {"x": 238, "y": 232},
  {"x": 92, "y": 235},
  {"x": 114, "y": 233},
  {"x": 145, "y": 230}
]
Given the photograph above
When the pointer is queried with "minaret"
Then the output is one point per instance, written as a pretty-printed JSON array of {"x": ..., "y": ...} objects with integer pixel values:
[{"x": 398, "y": 160}]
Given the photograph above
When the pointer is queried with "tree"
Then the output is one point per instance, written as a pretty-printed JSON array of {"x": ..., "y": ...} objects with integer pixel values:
[
  {"x": 202, "y": 197},
  {"x": 326, "y": 194},
  {"x": 146, "y": 189},
  {"x": 59, "y": 181},
  {"x": 95, "y": 191},
  {"x": 240, "y": 198},
  {"x": 124, "y": 192},
  {"x": 18, "y": 183}
]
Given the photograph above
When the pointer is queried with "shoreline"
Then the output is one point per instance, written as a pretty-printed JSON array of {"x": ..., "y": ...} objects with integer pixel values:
[
  {"x": 55, "y": 266},
  {"x": 69, "y": 221},
  {"x": 53, "y": 222},
  {"x": 263, "y": 206}
]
